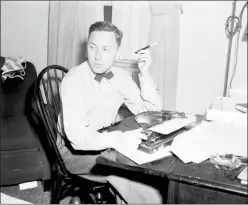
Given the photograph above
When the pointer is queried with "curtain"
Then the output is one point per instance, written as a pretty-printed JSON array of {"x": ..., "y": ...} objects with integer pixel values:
[
  {"x": 134, "y": 20},
  {"x": 165, "y": 28},
  {"x": 69, "y": 23},
  {"x": 146, "y": 22}
]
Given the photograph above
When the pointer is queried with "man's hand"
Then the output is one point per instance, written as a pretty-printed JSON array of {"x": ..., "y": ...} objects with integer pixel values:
[
  {"x": 129, "y": 140},
  {"x": 145, "y": 61},
  {"x": 136, "y": 134}
]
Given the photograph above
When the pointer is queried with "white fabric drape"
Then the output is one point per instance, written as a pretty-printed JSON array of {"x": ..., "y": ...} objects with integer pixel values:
[
  {"x": 146, "y": 22},
  {"x": 69, "y": 23},
  {"x": 165, "y": 29},
  {"x": 134, "y": 20}
]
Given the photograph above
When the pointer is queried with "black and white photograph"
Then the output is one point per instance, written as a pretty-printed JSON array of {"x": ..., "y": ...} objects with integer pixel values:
[{"x": 123, "y": 102}]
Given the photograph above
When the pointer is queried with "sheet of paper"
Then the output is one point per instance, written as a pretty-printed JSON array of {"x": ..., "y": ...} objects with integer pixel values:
[
  {"x": 172, "y": 125},
  {"x": 210, "y": 138},
  {"x": 237, "y": 118},
  {"x": 141, "y": 157},
  {"x": 224, "y": 116},
  {"x": 243, "y": 175}
]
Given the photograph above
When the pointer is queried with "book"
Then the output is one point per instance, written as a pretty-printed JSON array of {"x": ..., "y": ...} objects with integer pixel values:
[{"x": 242, "y": 107}]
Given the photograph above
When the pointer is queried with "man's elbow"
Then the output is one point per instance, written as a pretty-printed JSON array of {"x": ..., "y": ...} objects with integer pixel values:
[
  {"x": 74, "y": 138},
  {"x": 156, "y": 106},
  {"x": 75, "y": 146},
  {"x": 159, "y": 103},
  {"x": 159, "y": 106}
]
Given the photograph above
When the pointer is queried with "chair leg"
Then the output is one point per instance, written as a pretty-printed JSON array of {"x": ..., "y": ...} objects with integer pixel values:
[
  {"x": 56, "y": 189},
  {"x": 47, "y": 186},
  {"x": 61, "y": 188},
  {"x": 54, "y": 194},
  {"x": 60, "y": 191}
]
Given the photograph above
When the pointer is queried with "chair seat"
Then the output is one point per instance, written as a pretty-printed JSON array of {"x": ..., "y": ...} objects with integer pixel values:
[{"x": 16, "y": 134}]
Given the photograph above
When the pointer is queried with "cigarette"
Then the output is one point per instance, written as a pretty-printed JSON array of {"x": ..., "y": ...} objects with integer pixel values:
[{"x": 149, "y": 46}]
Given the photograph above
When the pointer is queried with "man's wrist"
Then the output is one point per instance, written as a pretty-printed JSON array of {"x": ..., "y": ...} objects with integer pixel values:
[{"x": 112, "y": 139}]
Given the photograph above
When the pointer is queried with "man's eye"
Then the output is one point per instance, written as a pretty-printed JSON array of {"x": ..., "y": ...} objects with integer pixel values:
[
  {"x": 91, "y": 46},
  {"x": 106, "y": 50}
]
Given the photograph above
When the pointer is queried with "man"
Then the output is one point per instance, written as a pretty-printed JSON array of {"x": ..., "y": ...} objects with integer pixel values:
[{"x": 91, "y": 102}]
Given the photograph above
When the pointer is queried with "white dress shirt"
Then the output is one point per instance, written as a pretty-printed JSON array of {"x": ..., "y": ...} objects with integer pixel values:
[{"x": 89, "y": 105}]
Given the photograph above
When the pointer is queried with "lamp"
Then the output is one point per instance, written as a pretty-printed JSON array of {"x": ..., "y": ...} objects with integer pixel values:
[
  {"x": 245, "y": 34},
  {"x": 235, "y": 24},
  {"x": 231, "y": 34}
]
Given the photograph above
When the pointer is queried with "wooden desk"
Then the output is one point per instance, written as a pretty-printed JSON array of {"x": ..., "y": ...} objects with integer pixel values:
[
  {"x": 188, "y": 183},
  {"x": 203, "y": 183}
]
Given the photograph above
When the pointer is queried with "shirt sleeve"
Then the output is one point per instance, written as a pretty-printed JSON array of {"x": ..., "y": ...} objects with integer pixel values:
[
  {"x": 144, "y": 99},
  {"x": 76, "y": 127}
]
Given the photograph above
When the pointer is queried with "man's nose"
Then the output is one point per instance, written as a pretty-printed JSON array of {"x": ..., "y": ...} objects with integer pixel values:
[{"x": 98, "y": 54}]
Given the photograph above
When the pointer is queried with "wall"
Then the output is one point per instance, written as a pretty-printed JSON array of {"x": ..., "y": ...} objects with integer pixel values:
[
  {"x": 202, "y": 55},
  {"x": 24, "y": 31}
]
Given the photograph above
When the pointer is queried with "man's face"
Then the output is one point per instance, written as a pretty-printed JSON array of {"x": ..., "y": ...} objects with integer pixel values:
[{"x": 102, "y": 50}]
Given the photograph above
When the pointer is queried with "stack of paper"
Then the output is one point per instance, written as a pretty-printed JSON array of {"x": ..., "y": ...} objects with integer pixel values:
[
  {"x": 166, "y": 127},
  {"x": 224, "y": 116},
  {"x": 210, "y": 138}
]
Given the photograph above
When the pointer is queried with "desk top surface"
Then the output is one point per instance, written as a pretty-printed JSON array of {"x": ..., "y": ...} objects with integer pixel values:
[{"x": 201, "y": 174}]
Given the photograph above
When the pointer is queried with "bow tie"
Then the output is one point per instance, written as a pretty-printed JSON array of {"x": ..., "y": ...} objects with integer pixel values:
[{"x": 107, "y": 75}]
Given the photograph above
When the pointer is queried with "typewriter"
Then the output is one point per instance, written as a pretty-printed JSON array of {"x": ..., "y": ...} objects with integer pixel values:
[{"x": 156, "y": 141}]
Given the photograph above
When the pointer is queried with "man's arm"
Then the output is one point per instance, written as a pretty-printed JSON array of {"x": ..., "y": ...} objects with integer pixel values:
[
  {"x": 146, "y": 99},
  {"x": 77, "y": 128},
  {"x": 76, "y": 125}
]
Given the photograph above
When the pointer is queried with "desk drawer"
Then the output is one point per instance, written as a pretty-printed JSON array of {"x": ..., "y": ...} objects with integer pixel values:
[{"x": 180, "y": 193}]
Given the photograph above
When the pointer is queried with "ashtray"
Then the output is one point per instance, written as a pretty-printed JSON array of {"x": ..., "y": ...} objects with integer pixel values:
[{"x": 225, "y": 162}]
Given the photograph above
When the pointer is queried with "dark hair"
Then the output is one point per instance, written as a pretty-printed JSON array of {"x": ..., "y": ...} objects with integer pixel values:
[{"x": 106, "y": 26}]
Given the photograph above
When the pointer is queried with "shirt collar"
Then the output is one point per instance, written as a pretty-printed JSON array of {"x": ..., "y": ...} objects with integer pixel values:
[{"x": 92, "y": 74}]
